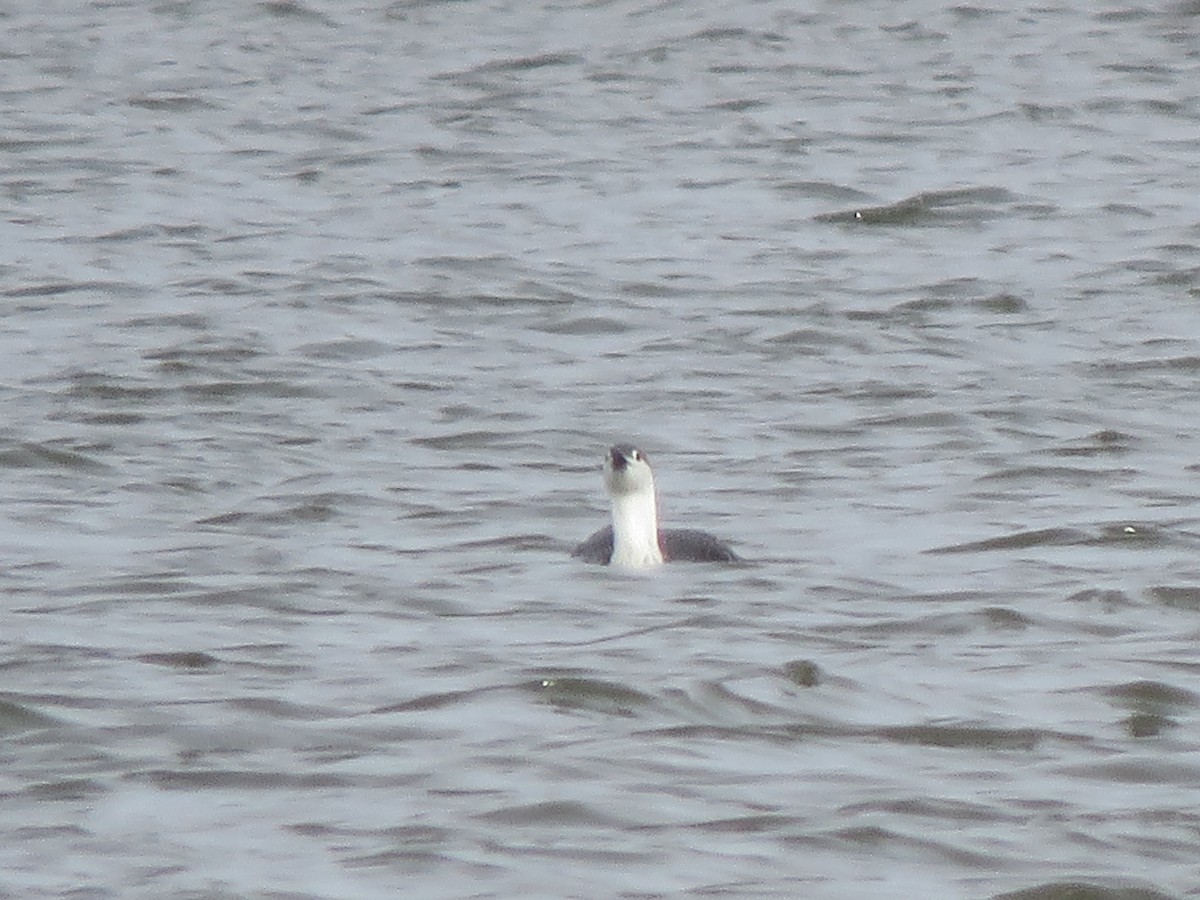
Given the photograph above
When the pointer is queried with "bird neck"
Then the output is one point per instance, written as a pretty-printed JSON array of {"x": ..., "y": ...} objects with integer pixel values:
[{"x": 635, "y": 530}]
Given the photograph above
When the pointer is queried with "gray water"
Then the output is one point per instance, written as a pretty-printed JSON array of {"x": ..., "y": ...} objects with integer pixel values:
[{"x": 318, "y": 318}]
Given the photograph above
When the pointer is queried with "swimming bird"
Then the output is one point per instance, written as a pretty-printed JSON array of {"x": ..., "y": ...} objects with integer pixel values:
[{"x": 634, "y": 540}]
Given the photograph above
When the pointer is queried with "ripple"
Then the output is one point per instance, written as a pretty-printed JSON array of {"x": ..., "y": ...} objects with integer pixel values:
[
  {"x": 553, "y": 813},
  {"x": 1082, "y": 890},
  {"x": 930, "y": 207},
  {"x": 303, "y": 354},
  {"x": 188, "y": 660},
  {"x": 1184, "y": 597},
  {"x": 967, "y": 737},
  {"x": 44, "y": 456},
  {"x": 591, "y": 694},
  {"x": 1127, "y": 535},
  {"x": 15, "y": 717},
  {"x": 1137, "y": 770}
]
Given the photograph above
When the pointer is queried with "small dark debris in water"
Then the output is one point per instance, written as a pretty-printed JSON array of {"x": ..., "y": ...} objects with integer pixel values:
[{"x": 803, "y": 672}]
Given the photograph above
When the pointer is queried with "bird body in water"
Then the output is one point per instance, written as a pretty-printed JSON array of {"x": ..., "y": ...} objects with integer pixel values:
[{"x": 634, "y": 540}]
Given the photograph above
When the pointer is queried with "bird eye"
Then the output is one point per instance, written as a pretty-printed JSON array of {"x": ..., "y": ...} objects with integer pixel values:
[{"x": 636, "y": 454}]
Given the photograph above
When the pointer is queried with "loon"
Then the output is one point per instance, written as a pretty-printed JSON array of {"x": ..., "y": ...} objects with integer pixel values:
[{"x": 634, "y": 540}]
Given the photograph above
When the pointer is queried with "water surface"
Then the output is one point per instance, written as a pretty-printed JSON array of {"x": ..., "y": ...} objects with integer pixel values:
[{"x": 316, "y": 322}]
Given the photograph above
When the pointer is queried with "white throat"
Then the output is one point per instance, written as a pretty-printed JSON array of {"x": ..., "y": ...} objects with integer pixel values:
[{"x": 635, "y": 529}]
